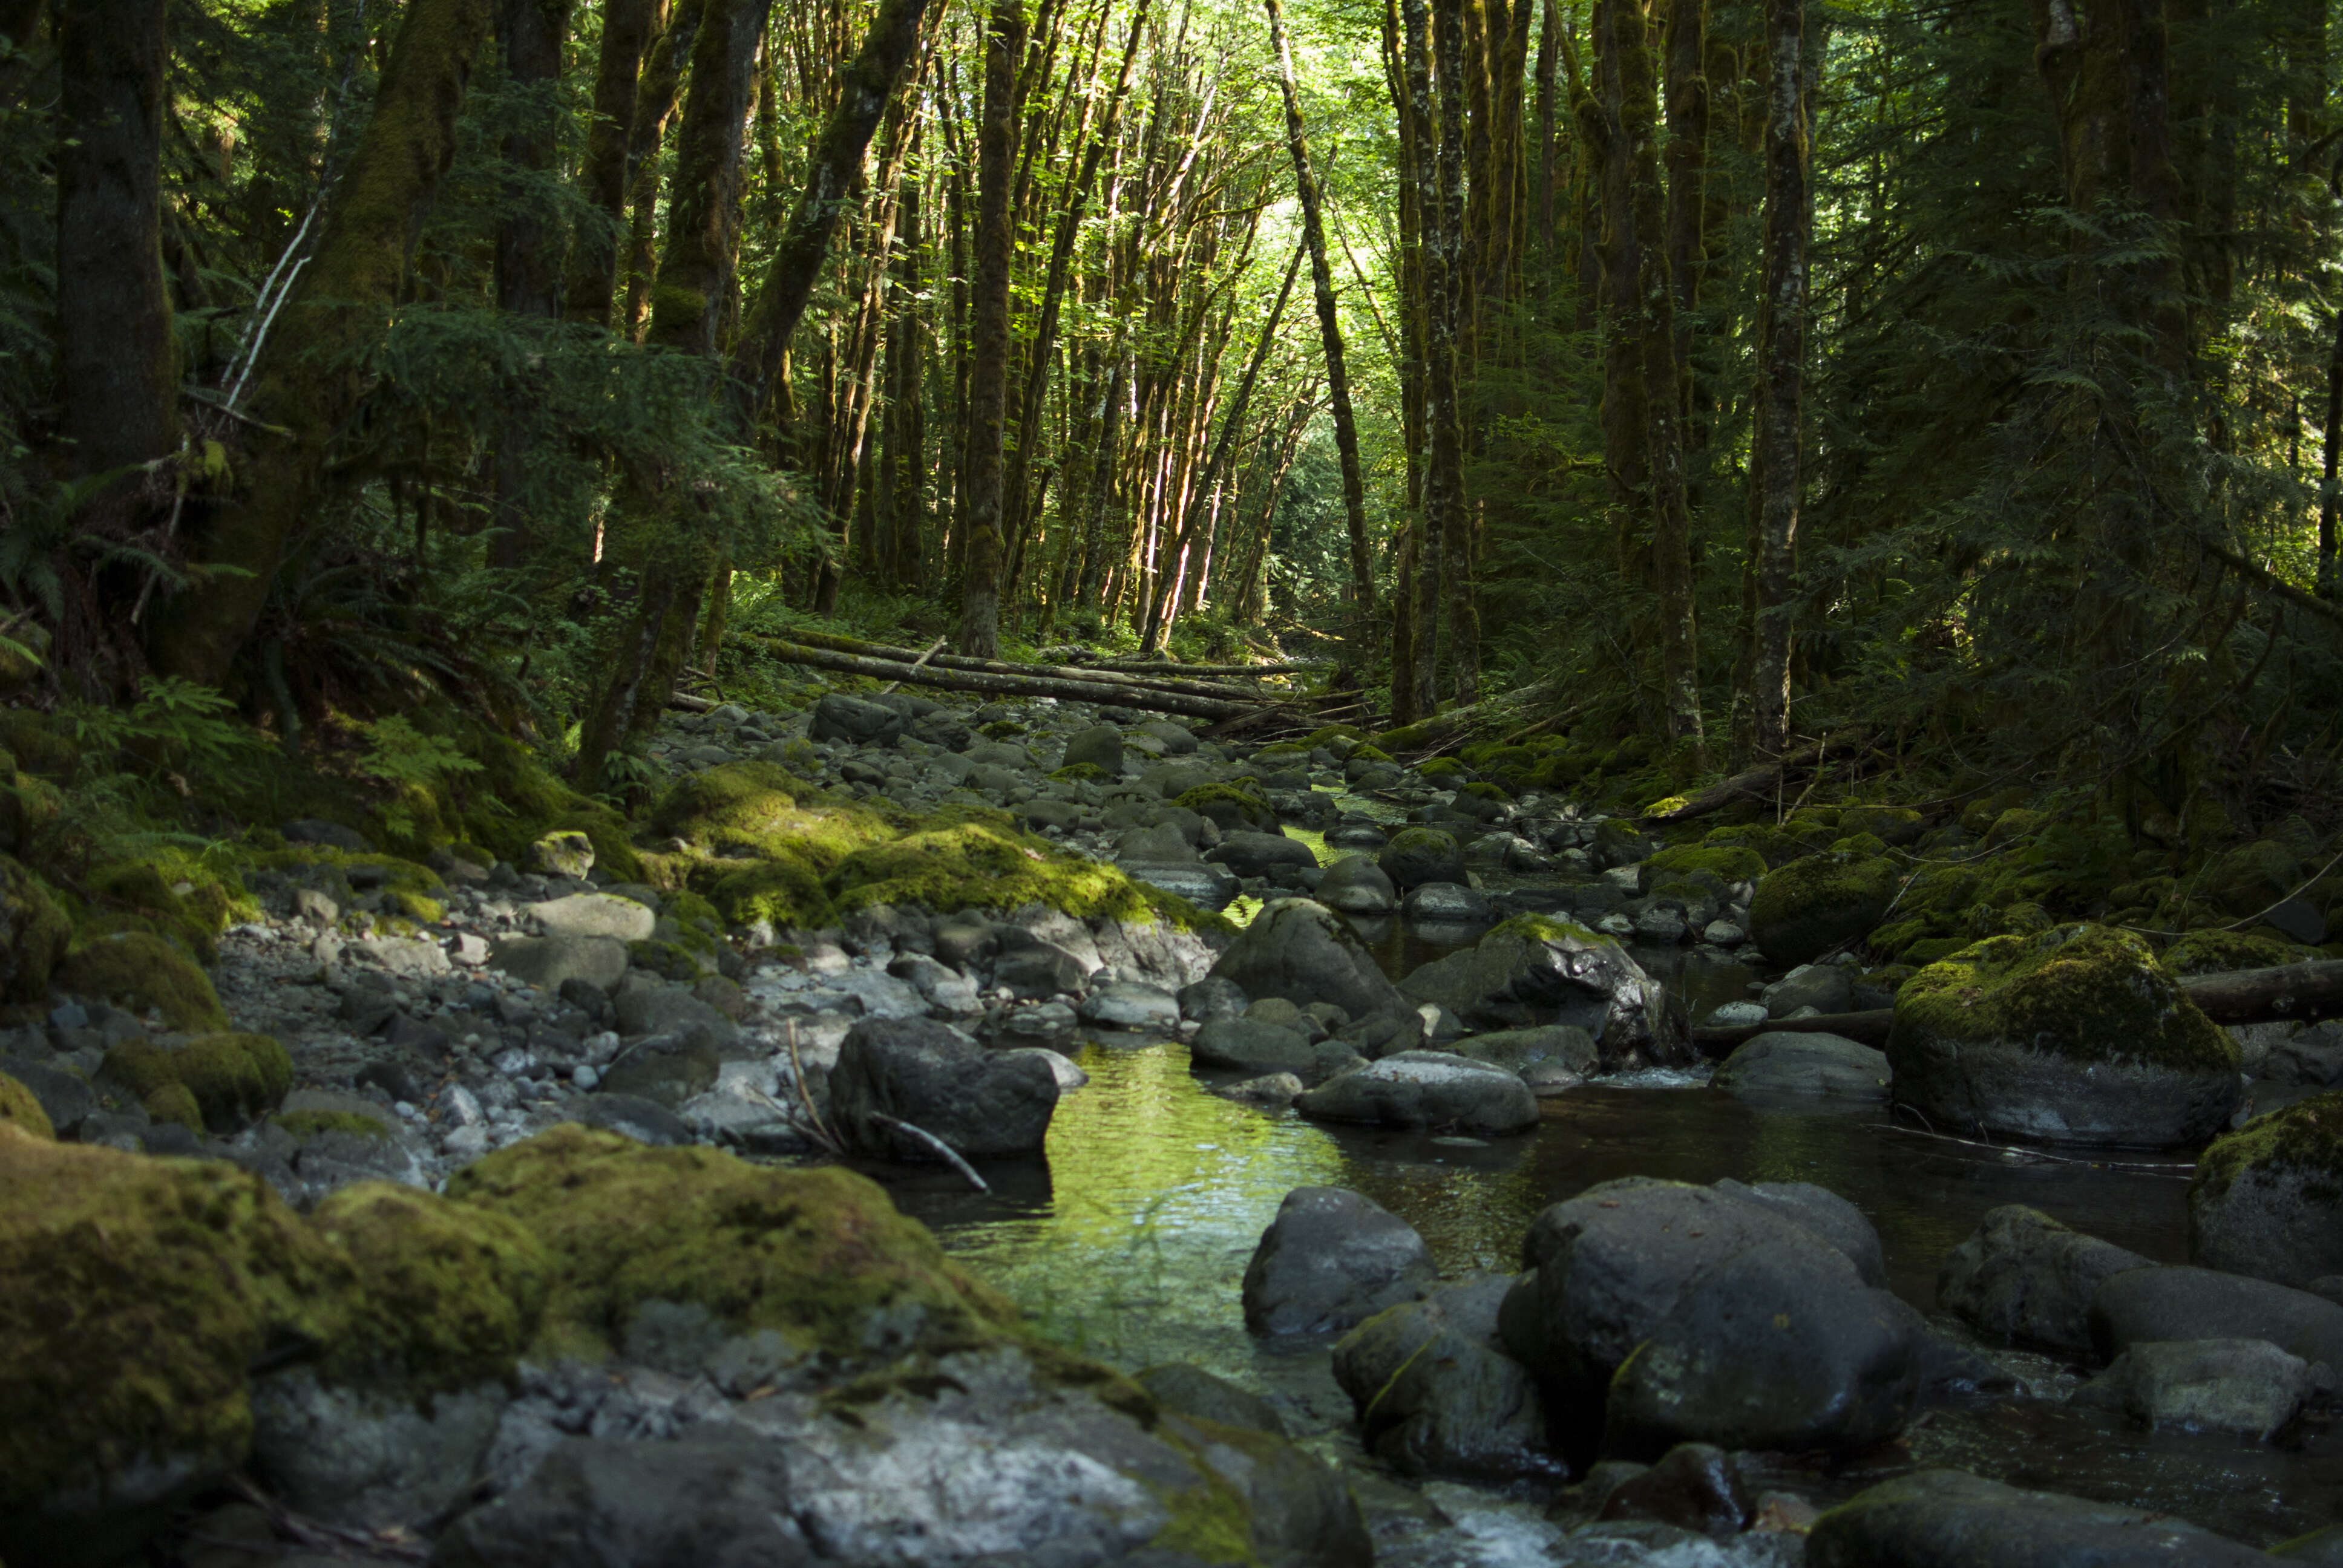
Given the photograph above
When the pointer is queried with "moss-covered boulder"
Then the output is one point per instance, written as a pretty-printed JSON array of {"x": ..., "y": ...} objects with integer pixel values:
[
  {"x": 19, "y": 1109},
  {"x": 2252, "y": 877},
  {"x": 1236, "y": 808},
  {"x": 762, "y": 808},
  {"x": 135, "y": 1295},
  {"x": 1729, "y": 863},
  {"x": 2076, "y": 1035},
  {"x": 33, "y": 934},
  {"x": 780, "y": 891},
  {"x": 1532, "y": 972},
  {"x": 972, "y": 865},
  {"x": 2210, "y": 952},
  {"x": 1818, "y": 903},
  {"x": 139, "y": 969},
  {"x": 232, "y": 1079},
  {"x": 820, "y": 1257},
  {"x": 1419, "y": 855},
  {"x": 2268, "y": 1199}
]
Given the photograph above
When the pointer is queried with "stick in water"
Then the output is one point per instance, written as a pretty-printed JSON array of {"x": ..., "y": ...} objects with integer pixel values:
[{"x": 950, "y": 1155}]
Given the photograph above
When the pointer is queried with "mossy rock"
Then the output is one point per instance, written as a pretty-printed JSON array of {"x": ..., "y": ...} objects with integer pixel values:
[
  {"x": 173, "y": 1102},
  {"x": 1080, "y": 773},
  {"x": 19, "y": 1109},
  {"x": 1406, "y": 737},
  {"x": 314, "y": 1123},
  {"x": 233, "y": 1079},
  {"x": 1369, "y": 753},
  {"x": 135, "y": 1295},
  {"x": 143, "y": 895},
  {"x": 1326, "y": 735},
  {"x": 669, "y": 961},
  {"x": 528, "y": 802},
  {"x": 2219, "y": 951},
  {"x": 1557, "y": 771},
  {"x": 33, "y": 932},
  {"x": 139, "y": 969},
  {"x": 2250, "y": 878},
  {"x": 1894, "y": 825},
  {"x": 1866, "y": 844},
  {"x": 1233, "y": 808},
  {"x": 1935, "y": 949},
  {"x": 973, "y": 865},
  {"x": 1807, "y": 908},
  {"x": 38, "y": 743},
  {"x": 450, "y": 1293},
  {"x": 1277, "y": 748},
  {"x": 1000, "y": 729},
  {"x": 1445, "y": 768},
  {"x": 782, "y": 890},
  {"x": 2012, "y": 826},
  {"x": 352, "y": 868},
  {"x": 1729, "y": 863},
  {"x": 759, "y": 807},
  {"x": 2074, "y": 1035},
  {"x": 821, "y": 1257},
  {"x": 1979, "y": 815},
  {"x": 422, "y": 909},
  {"x": 2267, "y": 1198},
  {"x": 1482, "y": 789}
]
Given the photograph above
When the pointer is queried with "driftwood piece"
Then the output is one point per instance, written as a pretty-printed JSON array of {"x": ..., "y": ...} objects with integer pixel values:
[
  {"x": 2301, "y": 993},
  {"x": 1239, "y": 694},
  {"x": 1100, "y": 692}
]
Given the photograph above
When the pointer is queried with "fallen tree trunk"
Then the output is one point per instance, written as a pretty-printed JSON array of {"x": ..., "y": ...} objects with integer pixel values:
[
  {"x": 1009, "y": 667},
  {"x": 1757, "y": 781},
  {"x": 1255, "y": 671},
  {"x": 1100, "y": 692},
  {"x": 2301, "y": 993}
]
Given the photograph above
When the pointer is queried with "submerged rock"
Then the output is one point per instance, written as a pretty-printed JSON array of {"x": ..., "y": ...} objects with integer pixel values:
[
  {"x": 1436, "y": 1395},
  {"x": 1951, "y": 1519},
  {"x": 2075, "y": 1035},
  {"x": 1331, "y": 1259},
  {"x": 1426, "y": 1089},
  {"x": 2024, "y": 1279},
  {"x": 1789, "y": 1062},
  {"x": 2268, "y": 1199}
]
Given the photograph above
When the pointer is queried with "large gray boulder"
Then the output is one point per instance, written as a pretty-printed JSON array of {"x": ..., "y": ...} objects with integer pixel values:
[
  {"x": 854, "y": 719},
  {"x": 1533, "y": 970},
  {"x": 2024, "y": 1279},
  {"x": 596, "y": 1501},
  {"x": 930, "y": 1075},
  {"x": 1259, "y": 854},
  {"x": 2268, "y": 1199},
  {"x": 1208, "y": 887},
  {"x": 1435, "y": 1393},
  {"x": 2249, "y": 1387},
  {"x": 2145, "y": 1304},
  {"x": 367, "y": 1456},
  {"x": 545, "y": 963},
  {"x": 1254, "y": 1046},
  {"x": 1431, "y": 1089},
  {"x": 1100, "y": 746},
  {"x": 1824, "y": 1213},
  {"x": 1746, "y": 1327},
  {"x": 1951, "y": 1519},
  {"x": 1810, "y": 1066},
  {"x": 1304, "y": 953},
  {"x": 1330, "y": 1261},
  {"x": 2076, "y": 1035}
]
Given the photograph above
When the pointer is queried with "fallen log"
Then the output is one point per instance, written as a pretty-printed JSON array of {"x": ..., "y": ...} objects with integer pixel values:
[
  {"x": 1100, "y": 691},
  {"x": 2302, "y": 993},
  {"x": 1255, "y": 671},
  {"x": 1243, "y": 694}
]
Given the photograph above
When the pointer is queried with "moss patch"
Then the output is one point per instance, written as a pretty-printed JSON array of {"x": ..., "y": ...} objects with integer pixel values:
[
  {"x": 450, "y": 1294},
  {"x": 974, "y": 865},
  {"x": 173, "y": 1102},
  {"x": 2216, "y": 952},
  {"x": 1080, "y": 773},
  {"x": 138, "y": 970},
  {"x": 36, "y": 932},
  {"x": 1232, "y": 805},
  {"x": 2305, "y": 1137},
  {"x": 232, "y": 1078},
  {"x": 783, "y": 890},
  {"x": 19, "y": 1109},
  {"x": 1812, "y": 905},
  {"x": 821, "y": 1257},
  {"x": 2085, "y": 993},
  {"x": 311, "y": 1123},
  {"x": 1729, "y": 862},
  {"x": 762, "y": 808},
  {"x": 133, "y": 1294}
]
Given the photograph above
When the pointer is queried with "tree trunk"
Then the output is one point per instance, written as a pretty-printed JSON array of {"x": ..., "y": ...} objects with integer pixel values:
[
  {"x": 2334, "y": 449},
  {"x": 1329, "y": 327},
  {"x": 1781, "y": 361},
  {"x": 1437, "y": 258},
  {"x": 695, "y": 272},
  {"x": 527, "y": 268},
  {"x": 655, "y": 98},
  {"x": 628, "y": 26},
  {"x": 988, "y": 391},
  {"x": 1447, "y": 282},
  {"x": 866, "y": 87},
  {"x": 309, "y": 386},
  {"x": 118, "y": 367},
  {"x": 1687, "y": 152}
]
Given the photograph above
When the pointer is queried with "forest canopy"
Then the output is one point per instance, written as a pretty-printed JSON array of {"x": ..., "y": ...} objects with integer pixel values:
[{"x": 1957, "y": 383}]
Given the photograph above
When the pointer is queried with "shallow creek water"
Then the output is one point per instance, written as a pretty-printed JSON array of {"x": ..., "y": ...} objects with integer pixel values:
[{"x": 1130, "y": 1242}]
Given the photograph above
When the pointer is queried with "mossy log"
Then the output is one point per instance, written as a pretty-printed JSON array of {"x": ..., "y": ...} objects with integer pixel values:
[
  {"x": 1064, "y": 690},
  {"x": 1237, "y": 694},
  {"x": 2302, "y": 993},
  {"x": 1252, "y": 672},
  {"x": 1758, "y": 782}
]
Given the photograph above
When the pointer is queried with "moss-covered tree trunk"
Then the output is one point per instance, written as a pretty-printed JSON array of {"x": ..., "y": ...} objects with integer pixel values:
[
  {"x": 308, "y": 384},
  {"x": 528, "y": 258},
  {"x": 662, "y": 535},
  {"x": 1781, "y": 368},
  {"x": 1447, "y": 371},
  {"x": 628, "y": 29},
  {"x": 1436, "y": 256},
  {"x": 988, "y": 376}
]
